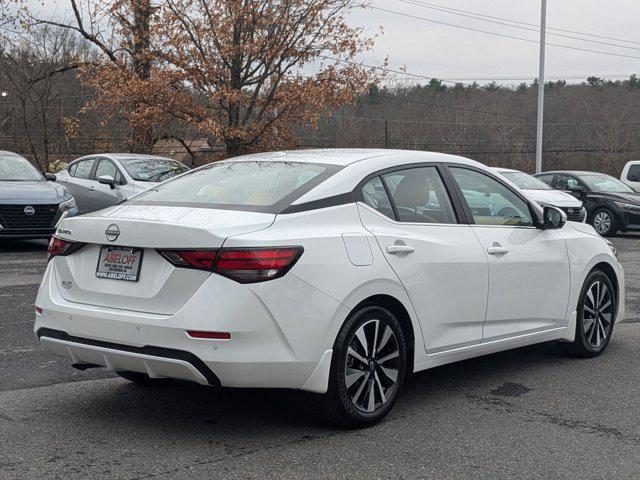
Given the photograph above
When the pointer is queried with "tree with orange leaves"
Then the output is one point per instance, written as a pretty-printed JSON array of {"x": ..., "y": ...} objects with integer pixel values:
[{"x": 246, "y": 73}]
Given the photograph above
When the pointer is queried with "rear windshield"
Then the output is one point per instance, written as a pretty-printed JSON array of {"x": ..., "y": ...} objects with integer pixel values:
[
  {"x": 152, "y": 169},
  {"x": 259, "y": 186},
  {"x": 14, "y": 168}
]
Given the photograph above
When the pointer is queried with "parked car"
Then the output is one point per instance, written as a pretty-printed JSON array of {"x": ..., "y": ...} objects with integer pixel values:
[
  {"x": 542, "y": 193},
  {"x": 631, "y": 175},
  {"x": 332, "y": 271},
  {"x": 611, "y": 205},
  {"x": 103, "y": 180},
  {"x": 31, "y": 204}
]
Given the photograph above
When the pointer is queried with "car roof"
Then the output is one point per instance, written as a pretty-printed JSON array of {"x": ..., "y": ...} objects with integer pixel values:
[
  {"x": 349, "y": 156},
  {"x": 6, "y": 153},
  {"x": 570, "y": 172},
  {"x": 502, "y": 170}
]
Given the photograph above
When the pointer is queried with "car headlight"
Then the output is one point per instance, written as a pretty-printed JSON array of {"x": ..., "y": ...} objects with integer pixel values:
[
  {"x": 68, "y": 204},
  {"x": 613, "y": 248},
  {"x": 628, "y": 206}
]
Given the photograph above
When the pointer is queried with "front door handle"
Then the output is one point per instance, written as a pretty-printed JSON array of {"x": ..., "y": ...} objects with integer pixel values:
[
  {"x": 399, "y": 249},
  {"x": 497, "y": 249}
]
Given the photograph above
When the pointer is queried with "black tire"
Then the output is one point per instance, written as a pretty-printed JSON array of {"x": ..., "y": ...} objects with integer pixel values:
[
  {"x": 614, "y": 222},
  {"x": 137, "y": 378},
  {"x": 337, "y": 405},
  {"x": 591, "y": 341}
]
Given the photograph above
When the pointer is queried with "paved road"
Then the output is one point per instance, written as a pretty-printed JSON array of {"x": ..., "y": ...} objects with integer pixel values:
[{"x": 529, "y": 413}]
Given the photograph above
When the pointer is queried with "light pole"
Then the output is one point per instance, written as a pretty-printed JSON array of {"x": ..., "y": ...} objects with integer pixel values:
[{"x": 543, "y": 28}]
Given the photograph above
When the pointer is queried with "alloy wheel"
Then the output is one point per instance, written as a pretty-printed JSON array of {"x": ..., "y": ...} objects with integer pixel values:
[
  {"x": 602, "y": 222},
  {"x": 597, "y": 313},
  {"x": 372, "y": 366}
]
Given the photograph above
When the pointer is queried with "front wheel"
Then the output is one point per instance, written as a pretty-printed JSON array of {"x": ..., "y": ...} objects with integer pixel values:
[
  {"x": 605, "y": 222},
  {"x": 596, "y": 315},
  {"x": 367, "y": 369}
]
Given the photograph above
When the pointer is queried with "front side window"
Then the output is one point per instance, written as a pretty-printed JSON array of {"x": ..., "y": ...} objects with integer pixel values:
[
  {"x": 105, "y": 167},
  {"x": 82, "y": 169},
  {"x": 14, "y": 168},
  {"x": 419, "y": 196},
  {"x": 263, "y": 186},
  {"x": 565, "y": 182},
  {"x": 490, "y": 202},
  {"x": 152, "y": 169}
]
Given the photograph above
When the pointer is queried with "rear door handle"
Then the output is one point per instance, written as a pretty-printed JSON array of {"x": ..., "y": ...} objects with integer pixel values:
[
  {"x": 398, "y": 249},
  {"x": 497, "y": 250}
]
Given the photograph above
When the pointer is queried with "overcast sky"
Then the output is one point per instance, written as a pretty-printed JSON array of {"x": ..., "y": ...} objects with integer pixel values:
[
  {"x": 448, "y": 52},
  {"x": 442, "y": 51}
]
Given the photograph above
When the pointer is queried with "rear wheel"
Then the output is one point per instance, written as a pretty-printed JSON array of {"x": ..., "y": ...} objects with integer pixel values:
[
  {"x": 367, "y": 369},
  {"x": 596, "y": 315},
  {"x": 605, "y": 222}
]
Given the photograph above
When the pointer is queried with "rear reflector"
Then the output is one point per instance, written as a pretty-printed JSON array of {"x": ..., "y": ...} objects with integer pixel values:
[
  {"x": 38, "y": 311},
  {"x": 209, "y": 335},
  {"x": 61, "y": 248},
  {"x": 244, "y": 265}
]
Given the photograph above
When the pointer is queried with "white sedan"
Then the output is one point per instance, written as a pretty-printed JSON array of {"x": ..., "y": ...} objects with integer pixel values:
[{"x": 337, "y": 272}]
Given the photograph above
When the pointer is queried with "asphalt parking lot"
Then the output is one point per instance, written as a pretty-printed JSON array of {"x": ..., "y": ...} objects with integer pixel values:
[{"x": 528, "y": 413}]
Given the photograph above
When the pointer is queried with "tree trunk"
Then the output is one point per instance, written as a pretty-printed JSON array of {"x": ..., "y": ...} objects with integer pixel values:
[{"x": 141, "y": 135}]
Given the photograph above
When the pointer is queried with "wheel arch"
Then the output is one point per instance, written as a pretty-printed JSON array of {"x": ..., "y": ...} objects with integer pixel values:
[
  {"x": 610, "y": 272},
  {"x": 396, "y": 307}
]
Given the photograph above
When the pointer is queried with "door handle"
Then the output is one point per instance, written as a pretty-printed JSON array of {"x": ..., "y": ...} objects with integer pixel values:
[
  {"x": 399, "y": 249},
  {"x": 497, "y": 249}
]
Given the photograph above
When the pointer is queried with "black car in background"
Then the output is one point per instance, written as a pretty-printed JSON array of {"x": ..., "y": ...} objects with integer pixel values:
[{"x": 611, "y": 205}]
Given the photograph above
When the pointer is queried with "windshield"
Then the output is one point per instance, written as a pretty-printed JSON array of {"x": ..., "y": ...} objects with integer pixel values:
[
  {"x": 263, "y": 186},
  {"x": 14, "y": 168},
  {"x": 525, "y": 181},
  {"x": 605, "y": 183},
  {"x": 152, "y": 169}
]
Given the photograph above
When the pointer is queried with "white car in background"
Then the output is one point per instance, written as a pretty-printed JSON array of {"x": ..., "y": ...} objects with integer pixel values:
[
  {"x": 631, "y": 175},
  {"x": 102, "y": 180},
  {"x": 542, "y": 193},
  {"x": 337, "y": 272}
]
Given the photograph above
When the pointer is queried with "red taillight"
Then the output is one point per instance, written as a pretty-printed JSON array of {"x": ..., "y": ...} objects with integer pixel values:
[
  {"x": 58, "y": 247},
  {"x": 244, "y": 265},
  {"x": 209, "y": 335}
]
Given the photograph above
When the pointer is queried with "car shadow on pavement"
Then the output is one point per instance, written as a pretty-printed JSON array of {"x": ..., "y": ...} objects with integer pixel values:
[
  {"x": 22, "y": 245},
  {"x": 184, "y": 407}
]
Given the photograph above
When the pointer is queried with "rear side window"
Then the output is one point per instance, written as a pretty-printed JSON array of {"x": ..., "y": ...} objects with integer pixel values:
[
  {"x": 82, "y": 169},
  {"x": 633, "y": 174},
  {"x": 260, "y": 186},
  {"x": 419, "y": 196},
  {"x": 376, "y": 197}
]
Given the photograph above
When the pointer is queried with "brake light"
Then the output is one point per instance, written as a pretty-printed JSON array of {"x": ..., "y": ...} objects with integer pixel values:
[
  {"x": 61, "y": 248},
  {"x": 244, "y": 265}
]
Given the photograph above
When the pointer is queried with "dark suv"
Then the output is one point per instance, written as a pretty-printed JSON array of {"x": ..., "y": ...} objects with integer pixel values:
[
  {"x": 611, "y": 205},
  {"x": 30, "y": 204}
]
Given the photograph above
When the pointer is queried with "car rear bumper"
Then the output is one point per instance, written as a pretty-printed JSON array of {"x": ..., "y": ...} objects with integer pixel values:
[{"x": 262, "y": 352}]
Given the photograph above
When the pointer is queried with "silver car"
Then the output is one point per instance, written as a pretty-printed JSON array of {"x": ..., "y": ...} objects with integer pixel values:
[
  {"x": 99, "y": 181},
  {"x": 31, "y": 204}
]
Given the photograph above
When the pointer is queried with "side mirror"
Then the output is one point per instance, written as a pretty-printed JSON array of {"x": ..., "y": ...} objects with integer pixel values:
[
  {"x": 578, "y": 189},
  {"x": 50, "y": 176},
  {"x": 553, "y": 218},
  {"x": 107, "y": 180}
]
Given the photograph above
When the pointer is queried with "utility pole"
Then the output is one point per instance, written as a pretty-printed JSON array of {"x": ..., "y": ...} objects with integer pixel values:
[{"x": 543, "y": 28}]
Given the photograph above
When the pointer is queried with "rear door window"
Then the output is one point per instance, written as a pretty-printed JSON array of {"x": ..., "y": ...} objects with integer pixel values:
[
  {"x": 419, "y": 196},
  {"x": 83, "y": 169}
]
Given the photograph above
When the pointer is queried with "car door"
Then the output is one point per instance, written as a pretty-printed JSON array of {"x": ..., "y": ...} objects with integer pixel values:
[
  {"x": 104, "y": 195},
  {"x": 437, "y": 258},
  {"x": 79, "y": 183},
  {"x": 529, "y": 279}
]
